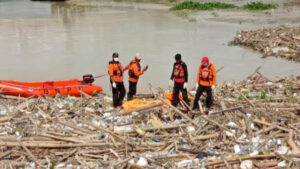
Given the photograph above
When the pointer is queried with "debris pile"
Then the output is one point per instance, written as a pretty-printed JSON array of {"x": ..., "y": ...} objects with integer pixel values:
[
  {"x": 278, "y": 41},
  {"x": 254, "y": 124}
]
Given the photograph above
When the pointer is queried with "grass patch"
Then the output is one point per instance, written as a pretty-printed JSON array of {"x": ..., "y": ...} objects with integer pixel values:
[
  {"x": 183, "y": 13},
  {"x": 259, "y": 6},
  {"x": 191, "y": 5}
]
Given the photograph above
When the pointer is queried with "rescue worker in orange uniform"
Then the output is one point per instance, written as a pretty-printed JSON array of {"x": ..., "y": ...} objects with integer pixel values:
[
  {"x": 206, "y": 81},
  {"x": 134, "y": 72},
  {"x": 180, "y": 77},
  {"x": 115, "y": 72}
]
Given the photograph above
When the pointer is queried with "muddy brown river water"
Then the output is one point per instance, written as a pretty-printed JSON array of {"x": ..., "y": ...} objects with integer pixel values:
[{"x": 45, "y": 41}]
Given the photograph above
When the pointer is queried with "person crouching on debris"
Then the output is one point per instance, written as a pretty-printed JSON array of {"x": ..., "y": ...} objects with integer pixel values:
[
  {"x": 180, "y": 77},
  {"x": 206, "y": 80},
  {"x": 134, "y": 72},
  {"x": 115, "y": 72}
]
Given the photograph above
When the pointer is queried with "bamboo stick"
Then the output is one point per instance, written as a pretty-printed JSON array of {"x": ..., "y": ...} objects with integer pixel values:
[{"x": 180, "y": 113}]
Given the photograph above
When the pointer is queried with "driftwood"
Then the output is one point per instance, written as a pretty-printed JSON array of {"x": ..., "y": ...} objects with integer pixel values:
[
  {"x": 86, "y": 131},
  {"x": 180, "y": 113}
]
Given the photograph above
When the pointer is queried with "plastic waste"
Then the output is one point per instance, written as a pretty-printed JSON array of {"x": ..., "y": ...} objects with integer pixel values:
[
  {"x": 282, "y": 150},
  {"x": 247, "y": 164},
  {"x": 186, "y": 163},
  {"x": 230, "y": 134},
  {"x": 237, "y": 149},
  {"x": 242, "y": 137},
  {"x": 190, "y": 129},
  {"x": 201, "y": 155},
  {"x": 232, "y": 124},
  {"x": 254, "y": 153},
  {"x": 69, "y": 166},
  {"x": 155, "y": 122},
  {"x": 282, "y": 164},
  {"x": 107, "y": 99},
  {"x": 142, "y": 162},
  {"x": 255, "y": 142},
  {"x": 280, "y": 49},
  {"x": 131, "y": 161},
  {"x": 140, "y": 132},
  {"x": 157, "y": 154},
  {"x": 155, "y": 139},
  {"x": 88, "y": 109}
]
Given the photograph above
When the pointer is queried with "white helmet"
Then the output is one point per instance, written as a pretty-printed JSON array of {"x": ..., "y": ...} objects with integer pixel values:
[{"x": 138, "y": 56}]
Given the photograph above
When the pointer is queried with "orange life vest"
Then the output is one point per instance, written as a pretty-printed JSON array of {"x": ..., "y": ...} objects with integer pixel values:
[
  {"x": 131, "y": 69},
  {"x": 206, "y": 74},
  {"x": 115, "y": 71},
  {"x": 178, "y": 71}
]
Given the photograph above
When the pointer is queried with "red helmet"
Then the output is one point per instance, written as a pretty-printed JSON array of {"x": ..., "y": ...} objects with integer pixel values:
[{"x": 204, "y": 60}]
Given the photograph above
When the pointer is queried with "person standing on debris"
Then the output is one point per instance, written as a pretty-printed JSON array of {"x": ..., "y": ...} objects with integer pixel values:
[
  {"x": 134, "y": 72},
  {"x": 115, "y": 72},
  {"x": 180, "y": 77},
  {"x": 206, "y": 81}
]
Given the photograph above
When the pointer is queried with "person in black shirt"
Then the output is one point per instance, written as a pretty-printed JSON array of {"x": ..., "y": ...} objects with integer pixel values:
[{"x": 180, "y": 77}]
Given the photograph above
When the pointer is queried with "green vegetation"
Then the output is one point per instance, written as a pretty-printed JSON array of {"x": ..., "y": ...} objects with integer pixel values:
[
  {"x": 259, "y": 6},
  {"x": 191, "y": 5},
  {"x": 263, "y": 95}
]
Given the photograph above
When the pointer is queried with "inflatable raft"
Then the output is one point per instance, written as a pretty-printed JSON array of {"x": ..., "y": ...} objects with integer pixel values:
[{"x": 48, "y": 88}]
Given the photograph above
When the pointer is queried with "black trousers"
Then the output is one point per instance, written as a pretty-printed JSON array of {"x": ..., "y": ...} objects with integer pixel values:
[
  {"x": 132, "y": 90},
  {"x": 177, "y": 88},
  {"x": 209, "y": 99},
  {"x": 118, "y": 94}
]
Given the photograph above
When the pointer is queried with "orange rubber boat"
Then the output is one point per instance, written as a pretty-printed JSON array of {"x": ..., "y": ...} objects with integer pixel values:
[{"x": 49, "y": 88}]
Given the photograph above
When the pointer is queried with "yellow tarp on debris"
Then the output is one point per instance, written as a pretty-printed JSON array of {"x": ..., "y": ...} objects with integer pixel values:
[
  {"x": 169, "y": 96},
  {"x": 137, "y": 103}
]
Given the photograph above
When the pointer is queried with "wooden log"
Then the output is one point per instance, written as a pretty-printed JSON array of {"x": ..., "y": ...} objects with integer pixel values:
[
  {"x": 63, "y": 139},
  {"x": 205, "y": 137},
  {"x": 56, "y": 144},
  {"x": 226, "y": 162},
  {"x": 5, "y": 118},
  {"x": 214, "y": 122},
  {"x": 265, "y": 164},
  {"x": 188, "y": 150},
  {"x": 165, "y": 127},
  {"x": 251, "y": 104},
  {"x": 227, "y": 110},
  {"x": 200, "y": 107},
  {"x": 232, "y": 159},
  {"x": 265, "y": 130},
  {"x": 67, "y": 156},
  {"x": 53, "y": 144},
  {"x": 292, "y": 144},
  {"x": 269, "y": 124},
  {"x": 12, "y": 163},
  {"x": 5, "y": 154}
]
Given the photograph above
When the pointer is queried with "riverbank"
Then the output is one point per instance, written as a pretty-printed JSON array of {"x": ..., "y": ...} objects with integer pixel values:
[{"x": 254, "y": 122}]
